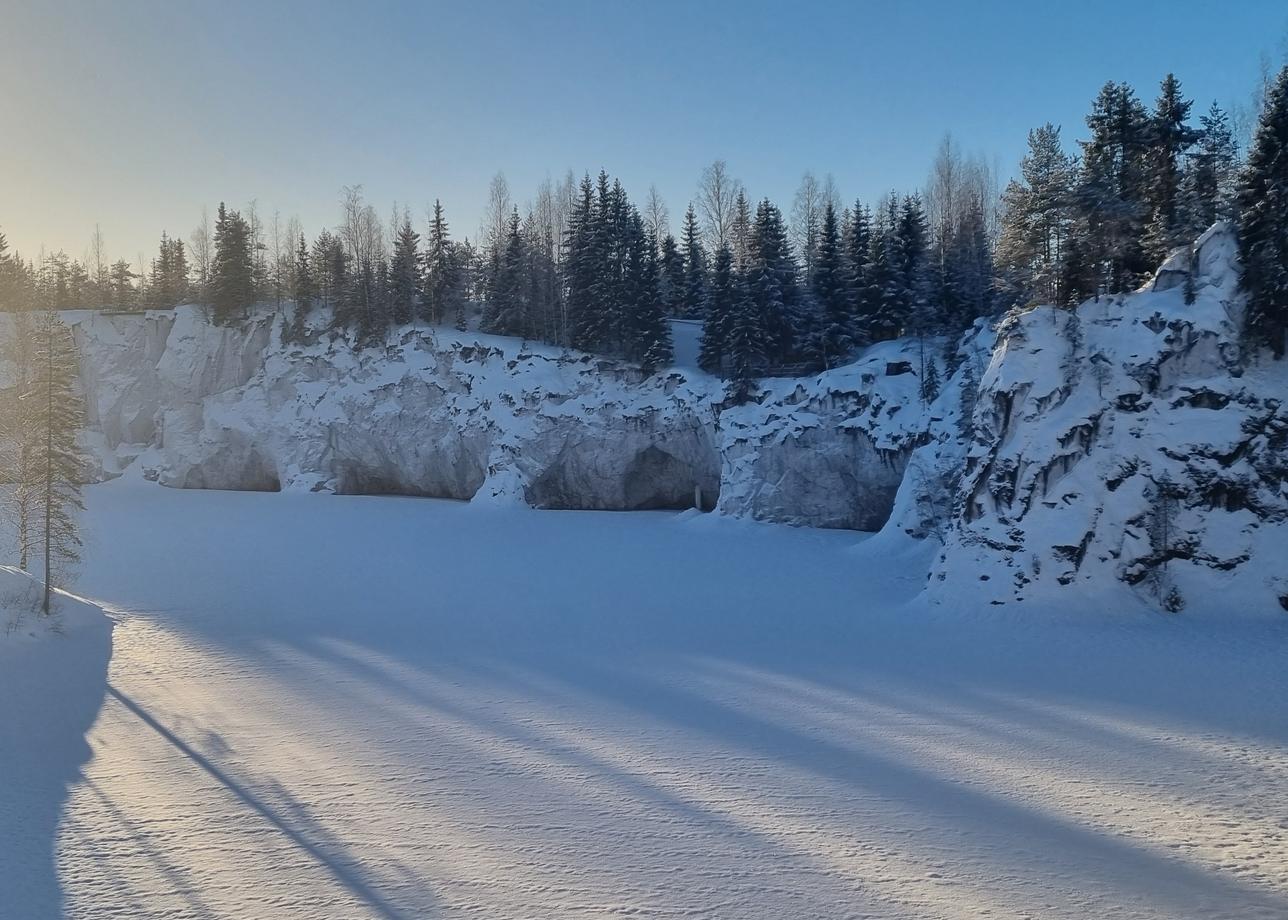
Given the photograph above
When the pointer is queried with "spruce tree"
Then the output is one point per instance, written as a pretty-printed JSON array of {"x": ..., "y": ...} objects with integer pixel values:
[
  {"x": 695, "y": 267},
  {"x": 881, "y": 318},
  {"x": 832, "y": 292},
  {"x": 49, "y": 480},
  {"x": 404, "y": 274},
  {"x": 328, "y": 266},
  {"x": 443, "y": 295},
  {"x": 719, "y": 314},
  {"x": 771, "y": 279},
  {"x": 580, "y": 263},
  {"x": 914, "y": 306},
  {"x": 740, "y": 245},
  {"x": 747, "y": 343},
  {"x": 232, "y": 281},
  {"x": 648, "y": 332},
  {"x": 304, "y": 291},
  {"x": 673, "y": 280},
  {"x": 506, "y": 310},
  {"x": 969, "y": 270},
  {"x": 121, "y": 280},
  {"x": 1263, "y": 224},
  {"x": 858, "y": 264}
]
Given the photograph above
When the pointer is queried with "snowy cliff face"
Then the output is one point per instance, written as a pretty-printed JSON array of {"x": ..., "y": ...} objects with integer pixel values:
[
  {"x": 1124, "y": 444},
  {"x": 1122, "y": 447},
  {"x": 490, "y": 420}
]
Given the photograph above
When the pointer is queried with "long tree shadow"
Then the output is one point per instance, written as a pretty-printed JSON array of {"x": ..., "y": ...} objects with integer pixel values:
[
  {"x": 309, "y": 836},
  {"x": 51, "y": 692},
  {"x": 1101, "y": 861}
]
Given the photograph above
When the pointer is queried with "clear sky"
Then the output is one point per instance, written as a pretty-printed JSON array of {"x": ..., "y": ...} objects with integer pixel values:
[{"x": 135, "y": 114}]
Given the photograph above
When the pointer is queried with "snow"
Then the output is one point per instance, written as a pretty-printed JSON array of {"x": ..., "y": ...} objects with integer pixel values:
[
  {"x": 53, "y": 677},
  {"x": 347, "y": 706}
]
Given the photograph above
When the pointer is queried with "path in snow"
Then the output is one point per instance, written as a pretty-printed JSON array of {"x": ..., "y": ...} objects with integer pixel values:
[{"x": 360, "y": 707}]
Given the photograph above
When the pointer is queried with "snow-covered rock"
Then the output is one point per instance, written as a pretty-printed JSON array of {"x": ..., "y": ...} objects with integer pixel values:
[
  {"x": 490, "y": 419},
  {"x": 1127, "y": 443}
]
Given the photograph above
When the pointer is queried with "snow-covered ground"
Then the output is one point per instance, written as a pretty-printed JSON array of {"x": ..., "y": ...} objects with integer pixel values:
[{"x": 324, "y": 706}]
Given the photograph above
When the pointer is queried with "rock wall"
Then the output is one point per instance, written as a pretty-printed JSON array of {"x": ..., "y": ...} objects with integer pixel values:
[
  {"x": 1128, "y": 443},
  {"x": 1125, "y": 448},
  {"x": 488, "y": 419}
]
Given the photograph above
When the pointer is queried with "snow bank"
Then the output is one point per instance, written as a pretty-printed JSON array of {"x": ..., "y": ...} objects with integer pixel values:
[{"x": 53, "y": 677}]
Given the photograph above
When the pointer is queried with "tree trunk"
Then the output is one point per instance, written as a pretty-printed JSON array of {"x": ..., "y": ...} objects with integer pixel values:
[{"x": 49, "y": 456}]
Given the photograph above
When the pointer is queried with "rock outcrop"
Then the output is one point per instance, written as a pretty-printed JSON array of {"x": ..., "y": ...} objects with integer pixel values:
[
  {"x": 1126, "y": 443},
  {"x": 487, "y": 419}
]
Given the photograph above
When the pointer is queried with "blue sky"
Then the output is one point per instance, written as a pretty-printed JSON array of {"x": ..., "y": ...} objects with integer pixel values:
[{"x": 135, "y": 114}]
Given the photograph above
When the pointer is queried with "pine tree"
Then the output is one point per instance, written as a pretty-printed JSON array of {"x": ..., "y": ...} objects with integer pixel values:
[
  {"x": 719, "y": 315},
  {"x": 695, "y": 267},
  {"x": 232, "y": 281},
  {"x": 1210, "y": 180},
  {"x": 52, "y": 468},
  {"x": 1169, "y": 138},
  {"x": 1113, "y": 196},
  {"x": 404, "y": 274},
  {"x": 1263, "y": 224},
  {"x": 1037, "y": 223}
]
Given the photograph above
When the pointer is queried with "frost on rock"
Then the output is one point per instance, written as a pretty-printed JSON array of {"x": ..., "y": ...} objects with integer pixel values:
[{"x": 1125, "y": 443}]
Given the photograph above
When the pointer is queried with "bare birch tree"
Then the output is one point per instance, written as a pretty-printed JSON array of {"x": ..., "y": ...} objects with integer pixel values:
[{"x": 717, "y": 194}]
